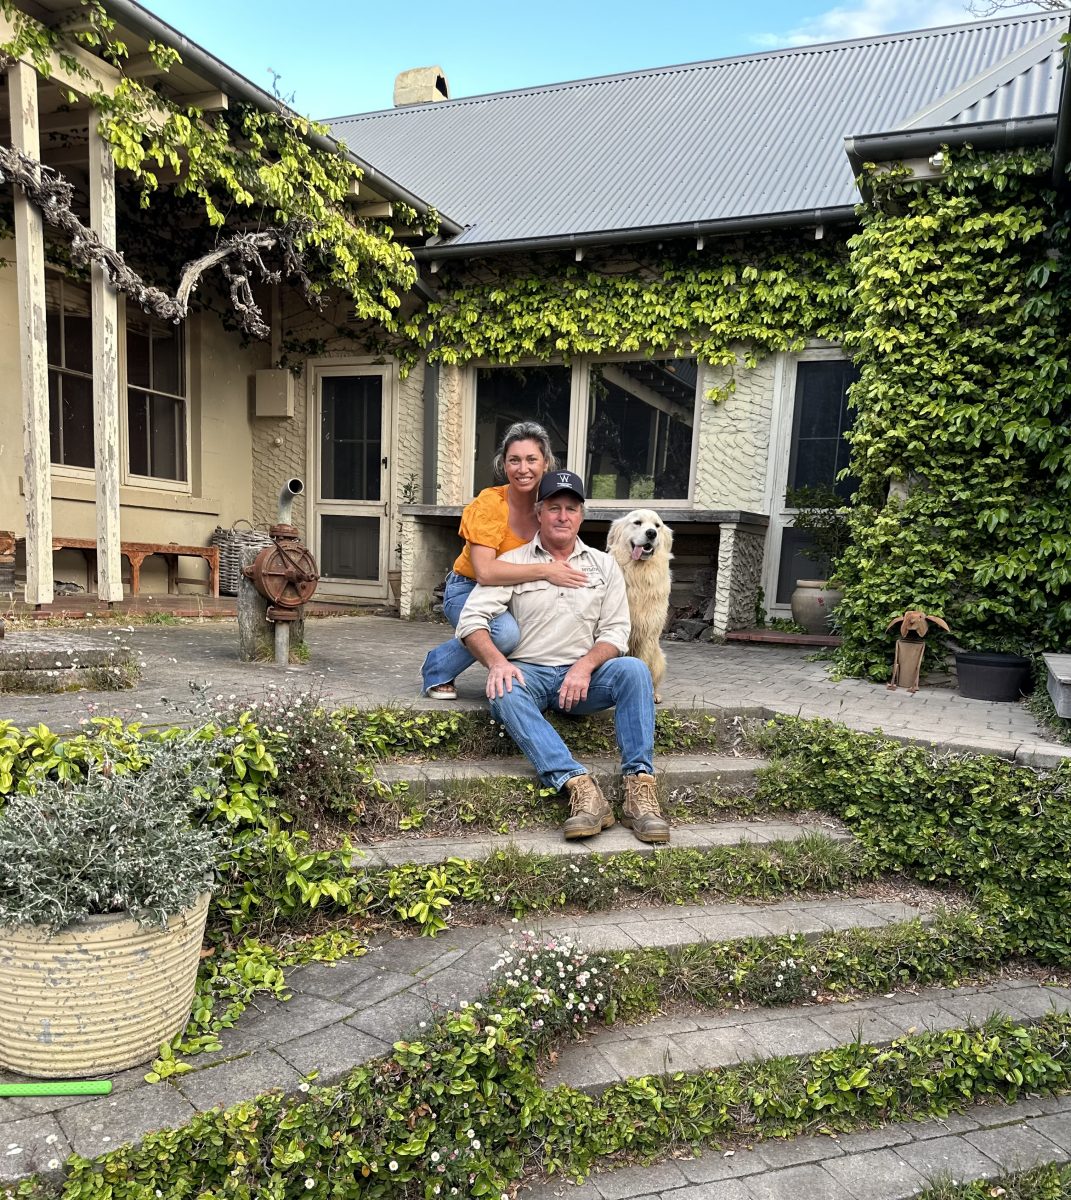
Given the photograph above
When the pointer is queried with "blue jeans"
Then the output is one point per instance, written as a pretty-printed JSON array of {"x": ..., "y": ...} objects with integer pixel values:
[
  {"x": 446, "y": 662},
  {"x": 621, "y": 683}
]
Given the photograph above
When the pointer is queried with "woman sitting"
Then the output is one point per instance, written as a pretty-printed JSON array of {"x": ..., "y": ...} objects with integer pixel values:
[{"x": 499, "y": 519}]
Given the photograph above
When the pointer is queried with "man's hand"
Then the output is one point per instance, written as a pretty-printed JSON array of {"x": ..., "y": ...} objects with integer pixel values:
[
  {"x": 500, "y": 677},
  {"x": 575, "y": 685}
]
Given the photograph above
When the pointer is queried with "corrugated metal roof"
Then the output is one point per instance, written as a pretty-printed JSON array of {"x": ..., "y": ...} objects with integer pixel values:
[{"x": 738, "y": 137}]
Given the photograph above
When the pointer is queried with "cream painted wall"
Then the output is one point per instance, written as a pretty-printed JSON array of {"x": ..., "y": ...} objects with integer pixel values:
[{"x": 221, "y": 464}]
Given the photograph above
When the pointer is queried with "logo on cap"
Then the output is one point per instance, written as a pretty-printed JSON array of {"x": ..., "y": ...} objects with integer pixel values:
[{"x": 561, "y": 481}]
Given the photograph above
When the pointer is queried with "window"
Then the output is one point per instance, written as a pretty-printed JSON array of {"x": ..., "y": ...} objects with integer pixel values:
[
  {"x": 70, "y": 371},
  {"x": 640, "y": 419},
  {"x": 821, "y": 417},
  {"x": 818, "y": 453},
  {"x": 508, "y": 394},
  {"x": 634, "y": 419},
  {"x": 156, "y": 398}
]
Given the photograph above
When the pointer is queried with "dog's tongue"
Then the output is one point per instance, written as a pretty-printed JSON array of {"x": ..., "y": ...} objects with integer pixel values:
[{"x": 637, "y": 552}]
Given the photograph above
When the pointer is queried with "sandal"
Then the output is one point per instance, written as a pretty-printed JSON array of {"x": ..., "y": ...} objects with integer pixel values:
[{"x": 442, "y": 691}]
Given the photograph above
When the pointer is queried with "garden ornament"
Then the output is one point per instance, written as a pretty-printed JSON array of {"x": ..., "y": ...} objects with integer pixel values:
[{"x": 910, "y": 647}]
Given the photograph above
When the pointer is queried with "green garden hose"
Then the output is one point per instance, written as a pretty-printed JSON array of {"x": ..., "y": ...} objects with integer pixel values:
[{"x": 58, "y": 1087}]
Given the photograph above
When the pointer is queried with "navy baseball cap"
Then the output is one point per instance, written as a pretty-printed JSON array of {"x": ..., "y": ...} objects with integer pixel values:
[{"x": 561, "y": 481}]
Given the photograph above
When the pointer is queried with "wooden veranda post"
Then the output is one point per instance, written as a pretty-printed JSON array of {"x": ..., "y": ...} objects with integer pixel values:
[
  {"x": 106, "y": 440},
  {"x": 30, "y": 272}
]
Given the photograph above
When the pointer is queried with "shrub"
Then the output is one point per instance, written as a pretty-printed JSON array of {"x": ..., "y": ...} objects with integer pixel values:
[
  {"x": 111, "y": 841},
  {"x": 999, "y": 831}
]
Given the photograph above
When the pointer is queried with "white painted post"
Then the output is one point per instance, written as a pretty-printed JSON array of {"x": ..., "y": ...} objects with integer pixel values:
[
  {"x": 106, "y": 440},
  {"x": 30, "y": 272}
]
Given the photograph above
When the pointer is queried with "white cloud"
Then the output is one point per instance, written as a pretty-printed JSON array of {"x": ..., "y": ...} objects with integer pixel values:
[{"x": 867, "y": 19}]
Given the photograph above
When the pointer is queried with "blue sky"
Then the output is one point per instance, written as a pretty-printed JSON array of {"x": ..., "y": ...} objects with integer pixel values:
[{"x": 336, "y": 58}]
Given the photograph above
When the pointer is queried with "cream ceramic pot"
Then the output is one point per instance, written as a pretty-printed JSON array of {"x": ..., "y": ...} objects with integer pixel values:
[{"x": 97, "y": 997}]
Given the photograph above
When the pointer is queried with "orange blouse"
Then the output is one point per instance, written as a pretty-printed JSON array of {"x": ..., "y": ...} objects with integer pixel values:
[{"x": 485, "y": 522}]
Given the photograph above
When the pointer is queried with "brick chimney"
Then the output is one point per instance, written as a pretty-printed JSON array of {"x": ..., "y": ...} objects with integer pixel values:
[{"x": 420, "y": 85}]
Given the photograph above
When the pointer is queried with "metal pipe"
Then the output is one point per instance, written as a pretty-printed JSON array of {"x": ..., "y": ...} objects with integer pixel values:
[
  {"x": 804, "y": 217},
  {"x": 292, "y": 488},
  {"x": 920, "y": 143},
  {"x": 282, "y": 643},
  {"x": 216, "y": 72}
]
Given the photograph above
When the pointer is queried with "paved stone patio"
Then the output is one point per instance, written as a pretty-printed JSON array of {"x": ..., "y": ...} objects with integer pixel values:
[{"x": 368, "y": 661}]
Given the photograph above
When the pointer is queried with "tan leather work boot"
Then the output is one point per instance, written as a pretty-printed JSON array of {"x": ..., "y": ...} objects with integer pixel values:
[
  {"x": 642, "y": 814},
  {"x": 589, "y": 811}
]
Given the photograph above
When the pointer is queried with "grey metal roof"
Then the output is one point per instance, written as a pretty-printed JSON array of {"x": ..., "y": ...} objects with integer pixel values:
[{"x": 740, "y": 137}]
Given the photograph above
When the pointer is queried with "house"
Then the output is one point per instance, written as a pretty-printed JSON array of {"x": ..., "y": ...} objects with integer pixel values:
[
  {"x": 619, "y": 170},
  {"x": 586, "y": 184}
]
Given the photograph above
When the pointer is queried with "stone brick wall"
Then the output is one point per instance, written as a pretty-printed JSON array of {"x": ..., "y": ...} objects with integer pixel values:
[
  {"x": 734, "y": 439},
  {"x": 740, "y": 553},
  {"x": 452, "y": 453}
]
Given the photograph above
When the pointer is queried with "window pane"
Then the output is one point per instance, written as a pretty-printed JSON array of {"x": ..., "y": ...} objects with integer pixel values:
[
  {"x": 55, "y": 433},
  {"x": 137, "y": 354},
  {"x": 505, "y": 395},
  {"x": 167, "y": 438},
  {"x": 76, "y": 420},
  {"x": 349, "y": 547},
  {"x": 351, "y": 445},
  {"x": 137, "y": 410},
  {"x": 167, "y": 359},
  {"x": 796, "y": 563},
  {"x": 641, "y": 419},
  {"x": 54, "y": 337},
  {"x": 821, "y": 418},
  {"x": 77, "y": 343}
]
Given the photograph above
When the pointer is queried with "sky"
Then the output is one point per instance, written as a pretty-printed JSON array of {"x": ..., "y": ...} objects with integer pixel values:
[{"x": 334, "y": 57}]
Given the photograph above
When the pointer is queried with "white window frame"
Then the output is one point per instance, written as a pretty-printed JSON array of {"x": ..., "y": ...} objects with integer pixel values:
[
  {"x": 782, "y": 426},
  {"x": 155, "y": 482},
  {"x": 579, "y": 413},
  {"x": 66, "y": 470},
  {"x": 128, "y": 478}
]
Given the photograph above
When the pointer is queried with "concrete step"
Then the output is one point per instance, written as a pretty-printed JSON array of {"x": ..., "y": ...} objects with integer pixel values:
[
  {"x": 343, "y": 1014},
  {"x": 615, "y": 840},
  {"x": 672, "y": 771},
  {"x": 893, "y": 1163},
  {"x": 700, "y": 1042}
]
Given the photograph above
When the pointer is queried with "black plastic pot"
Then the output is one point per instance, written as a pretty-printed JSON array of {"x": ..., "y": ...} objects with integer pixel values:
[{"x": 1002, "y": 677}]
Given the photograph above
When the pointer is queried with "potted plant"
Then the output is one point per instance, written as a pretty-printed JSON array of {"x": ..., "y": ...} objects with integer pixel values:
[
  {"x": 993, "y": 668},
  {"x": 104, "y": 890},
  {"x": 822, "y": 514}
]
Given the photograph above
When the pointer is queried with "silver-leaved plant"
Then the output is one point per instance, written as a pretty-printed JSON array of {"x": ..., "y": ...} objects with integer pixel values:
[{"x": 112, "y": 842}]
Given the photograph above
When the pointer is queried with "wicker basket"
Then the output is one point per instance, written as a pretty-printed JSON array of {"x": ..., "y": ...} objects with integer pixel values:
[{"x": 231, "y": 543}]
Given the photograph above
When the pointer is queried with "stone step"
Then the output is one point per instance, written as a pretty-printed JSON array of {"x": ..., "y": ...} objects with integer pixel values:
[
  {"x": 700, "y": 1042},
  {"x": 615, "y": 840},
  {"x": 893, "y": 1163},
  {"x": 671, "y": 770},
  {"x": 344, "y": 1014}
]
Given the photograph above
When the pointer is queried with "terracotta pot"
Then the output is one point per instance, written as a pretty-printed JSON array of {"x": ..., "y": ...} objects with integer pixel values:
[
  {"x": 97, "y": 997},
  {"x": 812, "y": 603},
  {"x": 394, "y": 578}
]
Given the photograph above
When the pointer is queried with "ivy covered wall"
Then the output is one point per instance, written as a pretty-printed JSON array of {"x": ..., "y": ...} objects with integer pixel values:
[
  {"x": 960, "y": 320},
  {"x": 953, "y": 299}
]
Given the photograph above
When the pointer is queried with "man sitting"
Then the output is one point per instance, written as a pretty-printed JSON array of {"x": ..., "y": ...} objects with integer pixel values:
[{"x": 572, "y": 657}]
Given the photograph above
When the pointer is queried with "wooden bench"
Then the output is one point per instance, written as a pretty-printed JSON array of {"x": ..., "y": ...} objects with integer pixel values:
[{"x": 137, "y": 552}]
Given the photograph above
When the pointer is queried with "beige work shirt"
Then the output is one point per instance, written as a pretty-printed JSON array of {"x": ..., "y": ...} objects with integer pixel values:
[{"x": 558, "y": 624}]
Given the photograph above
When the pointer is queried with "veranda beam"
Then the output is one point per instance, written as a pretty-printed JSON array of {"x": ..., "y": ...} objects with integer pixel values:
[
  {"x": 30, "y": 272},
  {"x": 106, "y": 441}
]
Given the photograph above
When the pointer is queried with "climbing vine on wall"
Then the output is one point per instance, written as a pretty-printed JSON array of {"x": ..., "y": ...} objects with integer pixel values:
[
  {"x": 960, "y": 326},
  {"x": 245, "y": 166},
  {"x": 770, "y": 293}
]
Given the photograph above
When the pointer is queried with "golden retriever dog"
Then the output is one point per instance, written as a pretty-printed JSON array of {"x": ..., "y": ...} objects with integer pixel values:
[{"x": 641, "y": 542}]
